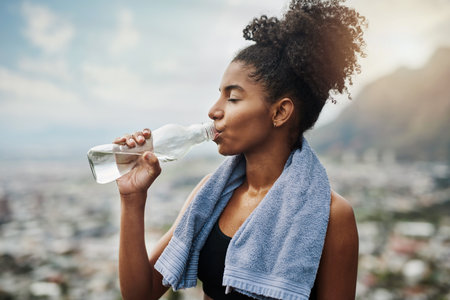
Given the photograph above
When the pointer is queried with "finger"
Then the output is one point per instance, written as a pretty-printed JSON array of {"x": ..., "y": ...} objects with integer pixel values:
[
  {"x": 120, "y": 140},
  {"x": 131, "y": 142},
  {"x": 139, "y": 137},
  {"x": 147, "y": 133}
]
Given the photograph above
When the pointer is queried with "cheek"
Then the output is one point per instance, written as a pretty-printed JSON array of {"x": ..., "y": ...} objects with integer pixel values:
[
  {"x": 246, "y": 129},
  {"x": 248, "y": 117}
]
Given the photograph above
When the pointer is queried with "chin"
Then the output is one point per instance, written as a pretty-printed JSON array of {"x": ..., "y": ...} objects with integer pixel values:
[{"x": 226, "y": 151}]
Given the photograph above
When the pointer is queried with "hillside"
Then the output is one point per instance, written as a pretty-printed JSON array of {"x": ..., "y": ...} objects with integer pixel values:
[{"x": 406, "y": 112}]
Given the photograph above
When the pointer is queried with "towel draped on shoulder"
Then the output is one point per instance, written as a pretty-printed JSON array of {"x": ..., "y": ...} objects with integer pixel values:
[{"x": 276, "y": 252}]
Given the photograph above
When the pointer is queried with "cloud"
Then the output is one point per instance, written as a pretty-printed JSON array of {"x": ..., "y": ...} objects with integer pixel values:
[
  {"x": 30, "y": 89},
  {"x": 127, "y": 36},
  {"x": 122, "y": 93},
  {"x": 45, "y": 29},
  {"x": 116, "y": 85},
  {"x": 161, "y": 80},
  {"x": 55, "y": 68},
  {"x": 31, "y": 104},
  {"x": 166, "y": 65}
]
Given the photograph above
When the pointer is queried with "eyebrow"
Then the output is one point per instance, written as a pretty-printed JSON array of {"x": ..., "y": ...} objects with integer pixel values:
[{"x": 228, "y": 88}]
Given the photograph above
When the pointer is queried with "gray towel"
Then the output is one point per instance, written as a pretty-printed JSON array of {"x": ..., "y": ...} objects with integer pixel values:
[{"x": 276, "y": 252}]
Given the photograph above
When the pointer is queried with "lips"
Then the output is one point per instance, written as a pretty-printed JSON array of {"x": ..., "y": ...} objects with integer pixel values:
[{"x": 217, "y": 134}]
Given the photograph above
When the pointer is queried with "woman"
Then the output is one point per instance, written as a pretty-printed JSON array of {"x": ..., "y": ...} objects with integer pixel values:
[{"x": 270, "y": 94}]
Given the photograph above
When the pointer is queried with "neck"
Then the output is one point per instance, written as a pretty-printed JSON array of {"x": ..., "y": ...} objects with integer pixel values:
[{"x": 264, "y": 167}]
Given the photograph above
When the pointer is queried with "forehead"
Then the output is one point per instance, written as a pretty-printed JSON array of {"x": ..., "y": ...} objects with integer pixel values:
[{"x": 237, "y": 74}]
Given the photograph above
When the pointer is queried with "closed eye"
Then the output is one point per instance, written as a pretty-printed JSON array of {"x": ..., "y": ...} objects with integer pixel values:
[{"x": 233, "y": 100}]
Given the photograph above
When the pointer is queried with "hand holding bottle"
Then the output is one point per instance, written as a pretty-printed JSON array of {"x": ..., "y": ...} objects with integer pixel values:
[{"x": 146, "y": 169}]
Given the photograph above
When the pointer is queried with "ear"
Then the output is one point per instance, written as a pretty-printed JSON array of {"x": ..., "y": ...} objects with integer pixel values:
[{"x": 282, "y": 110}]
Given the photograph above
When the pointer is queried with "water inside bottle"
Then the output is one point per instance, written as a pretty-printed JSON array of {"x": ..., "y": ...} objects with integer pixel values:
[
  {"x": 169, "y": 142},
  {"x": 108, "y": 166},
  {"x": 165, "y": 158}
]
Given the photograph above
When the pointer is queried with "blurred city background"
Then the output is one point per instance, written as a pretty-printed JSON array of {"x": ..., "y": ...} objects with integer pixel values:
[{"x": 77, "y": 74}]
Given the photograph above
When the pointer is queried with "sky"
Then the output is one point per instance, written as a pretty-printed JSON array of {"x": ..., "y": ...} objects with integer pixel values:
[{"x": 78, "y": 73}]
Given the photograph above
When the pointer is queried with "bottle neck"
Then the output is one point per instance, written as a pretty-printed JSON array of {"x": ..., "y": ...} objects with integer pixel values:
[
  {"x": 202, "y": 132},
  {"x": 210, "y": 130}
]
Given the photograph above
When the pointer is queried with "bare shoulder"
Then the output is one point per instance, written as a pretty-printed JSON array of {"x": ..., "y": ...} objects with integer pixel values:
[
  {"x": 342, "y": 223},
  {"x": 336, "y": 277},
  {"x": 340, "y": 207}
]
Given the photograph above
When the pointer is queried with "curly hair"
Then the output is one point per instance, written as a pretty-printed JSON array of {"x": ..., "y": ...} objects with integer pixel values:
[{"x": 308, "y": 55}]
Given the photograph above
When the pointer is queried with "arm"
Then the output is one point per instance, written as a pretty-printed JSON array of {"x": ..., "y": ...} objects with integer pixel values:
[
  {"x": 157, "y": 287},
  {"x": 137, "y": 275},
  {"x": 336, "y": 277}
]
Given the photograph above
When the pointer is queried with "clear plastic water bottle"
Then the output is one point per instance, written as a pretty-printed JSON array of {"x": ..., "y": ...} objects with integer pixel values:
[{"x": 170, "y": 142}]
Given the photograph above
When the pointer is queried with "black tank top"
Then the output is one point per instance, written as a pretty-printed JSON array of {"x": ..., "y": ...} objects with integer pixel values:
[{"x": 211, "y": 266}]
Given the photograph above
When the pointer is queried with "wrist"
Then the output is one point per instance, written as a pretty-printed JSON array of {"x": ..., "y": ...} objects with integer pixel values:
[{"x": 134, "y": 200}]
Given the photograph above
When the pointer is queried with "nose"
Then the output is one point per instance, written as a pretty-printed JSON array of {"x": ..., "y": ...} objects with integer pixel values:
[{"x": 216, "y": 112}]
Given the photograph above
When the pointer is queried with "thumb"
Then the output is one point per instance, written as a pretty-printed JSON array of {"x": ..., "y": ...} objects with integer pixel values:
[
  {"x": 150, "y": 157},
  {"x": 152, "y": 162}
]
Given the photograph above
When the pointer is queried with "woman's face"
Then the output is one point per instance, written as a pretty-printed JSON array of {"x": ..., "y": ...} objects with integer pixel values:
[{"x": 241, "y": 115}]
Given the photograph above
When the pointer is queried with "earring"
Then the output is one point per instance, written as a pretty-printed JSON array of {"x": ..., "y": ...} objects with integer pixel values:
[{"x": 275, "y": 124}]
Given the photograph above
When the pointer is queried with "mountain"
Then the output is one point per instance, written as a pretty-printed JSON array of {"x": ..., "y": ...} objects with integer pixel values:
[{"x": 406, "y": 113}]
